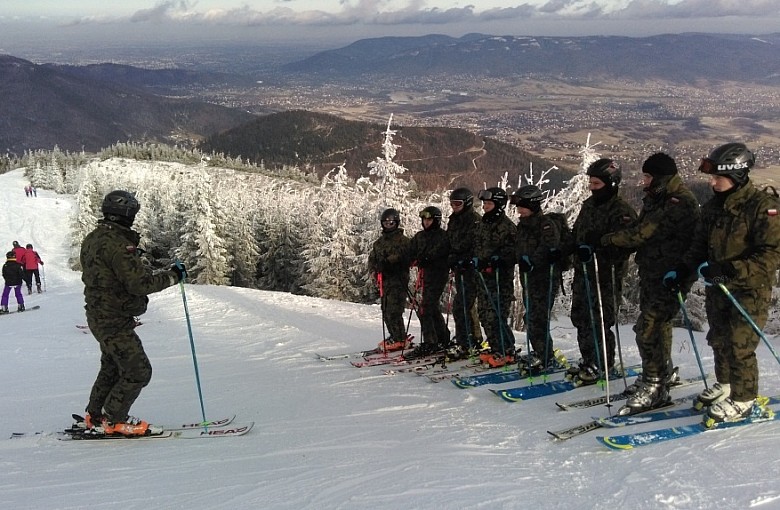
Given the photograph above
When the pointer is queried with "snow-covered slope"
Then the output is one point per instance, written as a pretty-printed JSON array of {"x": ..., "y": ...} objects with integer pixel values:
[{"x": 326, "y": 435}]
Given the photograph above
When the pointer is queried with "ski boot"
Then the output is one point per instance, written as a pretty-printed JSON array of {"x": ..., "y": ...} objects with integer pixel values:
[
  {"x": 20, "y": 308},
  {"x": 38, "y": 286},
  {"x": 712, "y": 395},
  {"x": 4, "y": 310},
  {"x": 653, "y": 392},
  {"x": 729, "y": 410}
]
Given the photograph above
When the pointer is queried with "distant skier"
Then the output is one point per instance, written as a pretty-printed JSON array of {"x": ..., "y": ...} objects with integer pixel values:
[
  {"x": 116, "y": 289},
  {"x": 13, "y": 274}
]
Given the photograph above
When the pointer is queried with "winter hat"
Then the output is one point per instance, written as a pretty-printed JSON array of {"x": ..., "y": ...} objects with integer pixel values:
[
  {"x": 16, "y": 244},
  {"x": 10, "y": 255},
  {"x": 659, "y": 163}
]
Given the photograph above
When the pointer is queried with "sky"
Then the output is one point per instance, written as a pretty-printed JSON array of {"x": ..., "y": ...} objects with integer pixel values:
[
  {"x": 346, "y": 20},
  {"x": 326, "y": 435}
]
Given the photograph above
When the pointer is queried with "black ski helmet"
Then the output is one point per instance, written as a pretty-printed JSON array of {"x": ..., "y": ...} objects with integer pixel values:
[
  {"x": 496, "y": 195},
  {"x": 431, "y": 212},
  {"x": 463, "y": 194},
  {"x": 529, "y": 197},
  {"x": 121, "y": 207},
  {"x": 732, "y": 160},
  {"x": 608, "y": 170},
  {"x": 390, "y": 214}
]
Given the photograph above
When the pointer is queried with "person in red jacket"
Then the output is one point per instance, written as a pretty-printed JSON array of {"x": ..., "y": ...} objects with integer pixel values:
[{"x": 30, "y": 262}]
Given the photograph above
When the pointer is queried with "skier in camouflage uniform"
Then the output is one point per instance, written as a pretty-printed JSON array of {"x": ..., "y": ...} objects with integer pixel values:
[
  {"x": 494, "y": 256},
  {"x": 116, "y": 286},
  {"x": 537, "y": 236},
  {"x": 389, "y": 260},
  {"x": 662, "y": 234},
  {"x": 461, "y": 230},
  {"x": 737, "y": 244},
  {"x": 430, "y": 249},
  {"x": 602, "y": 213}
]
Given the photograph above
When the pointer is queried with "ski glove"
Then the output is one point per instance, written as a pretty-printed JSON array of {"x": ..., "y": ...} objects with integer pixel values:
[
  {"x": 180, "y": 270},
  {"x": 673, "y": 279},
  {"x": 584, "y": 253},
  {"x": 525, "y": 265},
  {"x": 716, "y": 272}
]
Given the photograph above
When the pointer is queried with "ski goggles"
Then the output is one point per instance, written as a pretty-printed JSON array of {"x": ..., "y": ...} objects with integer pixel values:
[
  {"x": 708, "y": 166},
  {"x": 486, "y": 194},
  {"x": 426, "y": 215},
  {"x": 389, "y": 221},
  {"x": 456, "y": 203}
]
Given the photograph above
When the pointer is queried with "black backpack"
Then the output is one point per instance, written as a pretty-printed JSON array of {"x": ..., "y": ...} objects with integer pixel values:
[{"x": 567, "y": 239}]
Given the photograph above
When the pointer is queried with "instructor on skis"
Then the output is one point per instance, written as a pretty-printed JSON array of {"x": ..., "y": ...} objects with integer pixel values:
[{"x": 116, "y": 286}]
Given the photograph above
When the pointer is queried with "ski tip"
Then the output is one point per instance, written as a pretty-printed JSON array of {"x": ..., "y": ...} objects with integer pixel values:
[
  {"x": 611, "y": 443},
  {"x": 506, "y": 396},
  {"x": 561, "y": 407}
]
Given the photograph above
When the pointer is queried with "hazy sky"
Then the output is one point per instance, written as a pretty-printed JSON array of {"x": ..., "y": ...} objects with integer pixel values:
[{"x": 345, "y": 20}]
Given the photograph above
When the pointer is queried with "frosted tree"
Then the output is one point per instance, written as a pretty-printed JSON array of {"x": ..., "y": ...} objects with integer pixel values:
[
  {"x": 202, "y": 247},
  {"x": 85, "y": 218},
  {"x": 391, "y": 187}
]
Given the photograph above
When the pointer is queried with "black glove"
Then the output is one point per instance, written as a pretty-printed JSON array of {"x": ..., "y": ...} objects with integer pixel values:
[
  {"x": 554, "y": 256},
  {"x": 584, "y": 253},
  {"x": 673, "y": 279},
  {"x": 593, "y": 239},
  {"x": 180, "y": 270},
  {"x": 525, "y": 265},
  {"x": 479, "y": 264},
  {"x": 717, "y": 272}
]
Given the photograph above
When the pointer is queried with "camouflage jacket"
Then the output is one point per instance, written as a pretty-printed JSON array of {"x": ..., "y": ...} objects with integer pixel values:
[
  {"x": 744, "y": 230},
  {"x": 536, "y": 236},
  {"x": 496, "y": 237},
  {"x": 461, "y": 229},
  {"x": 431, "y": 248},
  {"x": 116, "y": 282},
  {"x": 664, "y": 230},
  {"x": 598, "y": 219},
  {"x": 390, "y": 256}
]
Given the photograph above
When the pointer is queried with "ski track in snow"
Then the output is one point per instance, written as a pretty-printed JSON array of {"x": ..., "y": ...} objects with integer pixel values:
[{"x": 326, "y": 435}]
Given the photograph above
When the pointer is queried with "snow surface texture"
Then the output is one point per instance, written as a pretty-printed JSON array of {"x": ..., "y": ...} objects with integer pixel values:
[{"x": 327, "y": 435}]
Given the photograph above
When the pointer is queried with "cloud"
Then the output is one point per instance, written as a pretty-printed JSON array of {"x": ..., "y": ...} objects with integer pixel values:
[{"x": 415, "y": 12}]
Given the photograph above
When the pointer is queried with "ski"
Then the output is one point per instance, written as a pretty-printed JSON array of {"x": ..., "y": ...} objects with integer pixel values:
[
  {"x": 552, "y": 387},
  {"x": 602, "y": 399},
  {"x": 192, "y": 431},
  {"x": 637, "y": 419},
  {"x": 499, "y": 376},
  {"x": 360, "y": 354},
  {"x": 597, "y": 423},
  {"x": 414, "y": 365},
  {"x": 630, "y": 441},
  {"x": 184, "y": 426},
  {"x": 30, "y": 309}
]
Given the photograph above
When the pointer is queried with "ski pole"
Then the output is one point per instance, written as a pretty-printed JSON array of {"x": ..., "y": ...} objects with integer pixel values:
[
  {"x": 617, "y": 323},
  {"x": 449, "y": 299},
  {"x": 493, "y": 305},
  {"x": 603, "y": 326},
  {"x": 548, "y": 338},
  {"x": 499, "y": 317},
  {"x": 589, "y": 296},
  {"x": 688, "y": 325},
  {"x": 749, "y": 320},
  {"x": 192, "y": 340}
]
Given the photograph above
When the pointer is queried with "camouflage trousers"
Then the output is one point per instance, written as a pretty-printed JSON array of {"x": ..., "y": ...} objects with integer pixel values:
[
  {"x": 537, "y": 301},
  {"x": 393, "y": 306},
  {"x": 496, "y": 296},
  {"x": 124, "y": 368},
  {"x": 657, "y": 309},
  {"x": 733, "y": 340},
  {"x": 462, "y": 306},
  {"x": 585, "y": 305}
]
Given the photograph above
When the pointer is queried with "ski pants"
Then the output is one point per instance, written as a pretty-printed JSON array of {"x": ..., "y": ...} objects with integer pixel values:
[
  {"x": 124, "y": 368},
  {"x": 657, "y": 309},
  {"x": 498, "y": 333},
  {"x": 733, "y": 340},
  {"x": 583, "y": 305},
  {"x": 393, "y": 304},
  {"x": 432, "y": 325},
  {"x": 17, "y": 293},
  {"x": 462, "y": 306},
  {"x": 538, "y": 306}
]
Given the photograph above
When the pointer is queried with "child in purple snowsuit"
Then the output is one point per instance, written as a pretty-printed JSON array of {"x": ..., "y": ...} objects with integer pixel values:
[{"x": 13, "y": 274}]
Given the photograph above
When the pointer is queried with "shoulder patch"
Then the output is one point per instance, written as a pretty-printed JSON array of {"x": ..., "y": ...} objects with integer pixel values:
[
  {"x": 771, "y": 212},
  {"x": 130, "y": 248},
  {"x": 674, "y": 200},
  {"x": 546, "y": 226},
  {"x": 627, "y": 219}
]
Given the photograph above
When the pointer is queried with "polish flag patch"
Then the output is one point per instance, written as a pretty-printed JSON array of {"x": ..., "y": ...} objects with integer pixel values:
[{"x": 771, "y": 212}]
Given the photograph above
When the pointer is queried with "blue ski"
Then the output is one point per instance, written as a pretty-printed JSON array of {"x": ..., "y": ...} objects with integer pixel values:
[
  {"x": 504, "y": 375},
  {"x": 551, "y": 388},
  {"x": 630, "y": 441}
]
